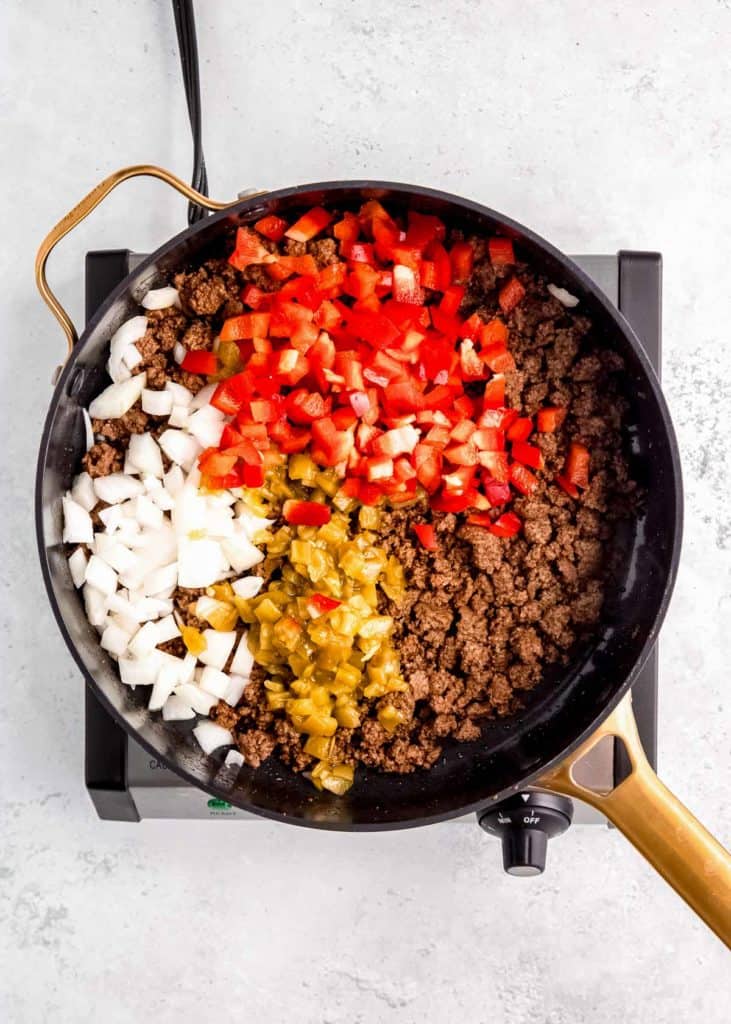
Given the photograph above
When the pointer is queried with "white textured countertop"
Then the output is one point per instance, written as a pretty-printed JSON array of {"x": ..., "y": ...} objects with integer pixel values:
[{"x": 602, "y": 126}]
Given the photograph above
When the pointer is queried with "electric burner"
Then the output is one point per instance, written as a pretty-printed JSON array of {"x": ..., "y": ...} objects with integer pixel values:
[{"x": 126, "y": 784}]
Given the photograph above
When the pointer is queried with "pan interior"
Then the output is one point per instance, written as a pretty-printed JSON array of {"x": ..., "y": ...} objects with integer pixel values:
[{"x": 557, "y": 714}]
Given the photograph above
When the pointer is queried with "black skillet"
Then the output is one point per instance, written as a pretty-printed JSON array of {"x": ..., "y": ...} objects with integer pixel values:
[{"x": 564, "y": 718}]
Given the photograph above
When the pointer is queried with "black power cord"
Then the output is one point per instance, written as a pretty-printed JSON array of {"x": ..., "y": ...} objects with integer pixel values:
[{"x": 188, "y": 45}]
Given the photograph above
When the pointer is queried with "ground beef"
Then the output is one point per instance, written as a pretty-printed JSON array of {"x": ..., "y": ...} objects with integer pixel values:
[{"x": 102, "y": 459}]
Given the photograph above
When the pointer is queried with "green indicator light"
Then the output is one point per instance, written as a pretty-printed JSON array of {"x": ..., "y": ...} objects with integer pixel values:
[{"x": 218, "y": 805}]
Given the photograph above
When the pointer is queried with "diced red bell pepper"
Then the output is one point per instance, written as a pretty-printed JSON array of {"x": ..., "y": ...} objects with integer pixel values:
[
  {"x": 528, "y": 454},
  {"x": 501, "y": 251},
  {"x": 464, "y": 431},
  {"x": 452, "y": 299},
  {"x": 510, "y": 295},
  {"x": 198, "y": 361},
  {"x": 497, "y": 493},
  {"x": 330, "y": 279},
  {"x": 423, "y": 229},
  {"x": 401, "y": 441},
  {"x": 428, "y": 463},
  {"x": 309, "y": 224},
  {"x": 291, "y": 366},
  {"x": 406, "y": 285},
  {"x": 215, "y": 463},
  {"x": 462, "y": 257},
  {"x": 576, "y": 469},
  {"x": 427, "y": 274},
  {"x": 472, "y": 326},
  {"x": 265, "y": 410},
  {"x": 286, "y": 317},
  {"x": 446, "y": 323},
  {"x": 347, "y": 229},
  {"x": 489, "y": 439},
  {"x": 358, "y": 252},
  {"x": 403, "y": 396},
  {"x": 248, "y": 325},
  {"x": 464, "y": 406},
  {"x": 403, "y": 469},
  {"x": 380, "y": 467},
  {"x": 426, "y": 535},
  {"x": 344, "y": 418},
  {"x": 249, "y": 249},
  {"x": 571, "y": 489},
  {"x": 321, "y": 604},
  {"x": 521, "y": 429},
  {"x": 330, "y": 444},
  {"x": 255, "y": 298},
  {"x": 442, "y": 265},
  {"x": 498, "y": 358},
  {"x": 375, "y": 328},
  {"x": 305, "y": 513},
  {"x": 494, "y": 332},
  {"x": 369, "y": 494},
  {"x": 550, "y": 418},
  {"x": 289, "y": 439},
  {"x": 231, "y": 393},
  {"x": 472, "y": 365},
  {"x": 496, "y": 463},
  {"x": 506, "y": 525},
  {"x": 462, "y": 454},
  {"x": 286, "y": 266},
  {"x": 362, "y": 281},
  {"x": 494, "y": 395},
  {"x": 271, "y": 227},
  {"x": 522, "y": 479},
  {"x": 327, "y": 316},
  {"x": 253, "y": 476},
  {"x": 452, "y": 502},
  {"x": 305, "y": 407}
]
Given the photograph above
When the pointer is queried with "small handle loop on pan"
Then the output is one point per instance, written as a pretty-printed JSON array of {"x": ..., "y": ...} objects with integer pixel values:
[
  {"x": 656, "y": 823},
  {"x": 82, "y": 210}
]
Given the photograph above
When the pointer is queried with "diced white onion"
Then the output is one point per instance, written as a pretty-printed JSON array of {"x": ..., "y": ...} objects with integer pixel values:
[
  {"x": 115, "y": 640},
  {"x": 144, "y": 453},
  {"x": 123, "y": 339},
  {"x": 188, "y": 668},
  {"x": 77, "y": 566},
  {"x": 181, "y": 394},
  {"x": 144, "y": 642},
  {"x": 201, "y": 563},
  {"x": 214, "y": 681},
  {"x": 206, "y": 426},
  {"x": 112, "y": 517},
  {"x": 179, "y": 416},
  {"x": 219, "y": 644},
  {"x": 243, "y": 660},
  {"x": 164, "y": 501},
  {"x": 82, "y": 491},
  {"x": 78, "y": 527},
  {"x": 147, "y": 512},
  {"x": 211, "y": 736},
  {"x": 247, "y": 586},
  {"x": 157, "y": 403},
  {"x": 117, "y": 487},
  {"x": 118, "y": 398},
  {"x": 161, "y": 298},
  {"x": 236, "y": 687},
  {"x": 203, "y": 397},
  {"x": 115, "y": 553},
  {"x": 164, "y": 685},
  {"x": 131, "y": 357},
  {"x": 179, "y": 352},
  {"x": 563, "y": 296},
  {"x": 241, "y": 553},
  {"x": 100, "y": 575},
  {"x": 198, "y": 699},
  {"x": 175, "y": 709},
  {"x": 180, "y": 448},
  {"x": 96, "y": 605},
  {"x": 167, "y": 629},
  {"x": 140, "y": 671},
  {"x": 173, "y": 481},
  {"x": 234, "y": 757}
]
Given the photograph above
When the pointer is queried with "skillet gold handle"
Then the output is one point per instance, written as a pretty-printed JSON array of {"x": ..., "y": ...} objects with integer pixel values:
[
  {"x": 82, "y": 210},
  {"x": 657, "y": 824}
]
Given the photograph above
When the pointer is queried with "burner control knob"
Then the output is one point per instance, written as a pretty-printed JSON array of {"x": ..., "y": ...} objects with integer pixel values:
[{"x": 525, "y": 823}]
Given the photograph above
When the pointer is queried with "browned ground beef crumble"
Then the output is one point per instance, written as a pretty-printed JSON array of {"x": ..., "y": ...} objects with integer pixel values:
[{"x": 483, "y": 617}]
